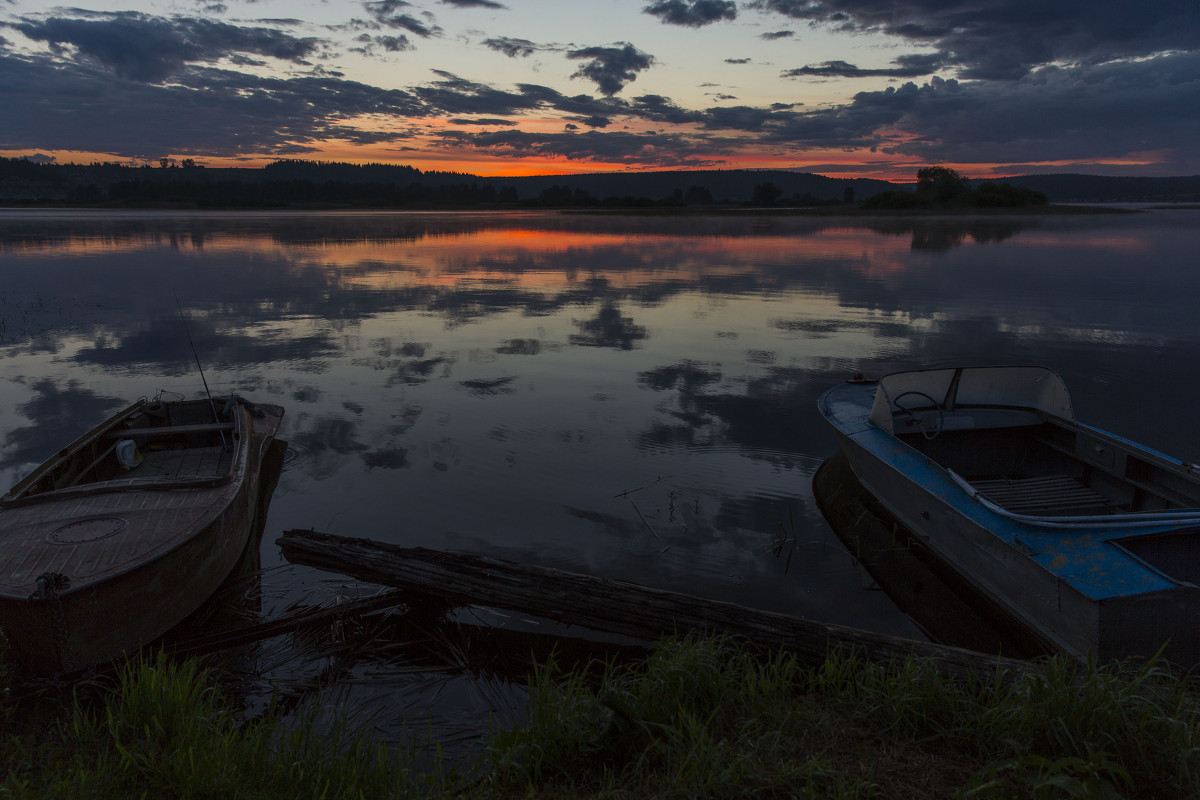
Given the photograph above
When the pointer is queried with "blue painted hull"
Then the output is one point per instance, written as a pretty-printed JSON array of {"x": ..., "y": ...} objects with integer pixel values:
[{"x": 1107, "y": 582}]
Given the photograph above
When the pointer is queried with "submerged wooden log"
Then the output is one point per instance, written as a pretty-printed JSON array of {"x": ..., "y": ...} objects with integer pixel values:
[
  {"x": 614, "y": 606},
  {"x": 289, "y": 623}
]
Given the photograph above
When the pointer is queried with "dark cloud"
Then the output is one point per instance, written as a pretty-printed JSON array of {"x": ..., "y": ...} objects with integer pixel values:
[
  {"x": 657, "y": 108},
  {"x": 772, "y": 35},
  {"x": 581, "y": 105},
  {"x": 57, "y": 415},
  {"x": 673, "y": 150},
  {"x": 51, "y": 105},
  {"x": 737, "y": 61},
  {"x": 386, "y": 13},
  {"x": 692, "y": 13},
  {"x": 609, "y": 329},
  {"x": 485, "y": 387},
  {"x": 1055, "y": 114},
  {"x": 159, "y": 343},
  {"x": 391, "y": 458},
  {"x": 456, "y": 95},
  {"x": 910, "y": 66},
  {"x": 391, "y": 44},
  {"x": 610, "y": 68},
  {"x": 473, "y": 4},
  {"x": 145, "y": 48},
  {"x": 740, "y": 118},
  {"x": 1008, "y": 39},
  {"x": 481, "y": 121},
  {"x": 514, "y": 48},
  {"x": 95, "y": 89}
]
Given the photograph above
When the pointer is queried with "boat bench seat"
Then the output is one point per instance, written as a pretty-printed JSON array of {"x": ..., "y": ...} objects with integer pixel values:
[
  {"x": 170, "y": 430},
  {"x": 1046, "y": 495}
]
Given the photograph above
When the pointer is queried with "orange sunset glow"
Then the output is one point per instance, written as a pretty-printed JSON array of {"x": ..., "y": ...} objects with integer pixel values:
[{"x": 530, "y": 88}]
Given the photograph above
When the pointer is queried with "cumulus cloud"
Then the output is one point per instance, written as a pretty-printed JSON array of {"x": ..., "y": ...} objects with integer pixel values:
[
  {"x": 1053, "y": 114},
  {"x": 611, "y": 68},
  {"x": 456, "y": 95},
  {"x": 910, "y": 66},
  {"x": 674, "y": 150},
  {"x": 513, "y": 47},
  {"x": 1006, "y": 40},
  {"x": 147, "y": 48},
  {"x": 692, "y": 13},
  {"x": 387, "y": 14},
  {"x": 369, "y": 44},
  {"x": 51, "y": 105},
  {"x": 486, "y": 121},
  {"x": 101, "y": 86}
]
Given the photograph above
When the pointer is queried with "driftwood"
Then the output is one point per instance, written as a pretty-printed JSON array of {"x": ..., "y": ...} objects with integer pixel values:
[
  {"x": 290, "y": 623},
  {"x": 614, "y": 606}
]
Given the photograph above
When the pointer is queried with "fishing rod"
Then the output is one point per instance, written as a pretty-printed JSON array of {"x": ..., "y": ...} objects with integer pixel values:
[{"x": 195, "y": 355}]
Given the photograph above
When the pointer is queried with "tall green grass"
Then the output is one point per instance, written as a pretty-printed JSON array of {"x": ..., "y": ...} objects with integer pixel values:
[
  {"x": 700, "y": 718},
  {"x": 697, "y": 718},
  {"x": 165, "y": 730}
]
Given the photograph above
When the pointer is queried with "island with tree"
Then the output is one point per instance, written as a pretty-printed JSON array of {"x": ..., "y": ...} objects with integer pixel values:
[{"x": 945, "y": 188}]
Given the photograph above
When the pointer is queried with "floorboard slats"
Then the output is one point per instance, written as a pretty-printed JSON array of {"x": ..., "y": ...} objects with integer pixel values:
[{"x": 1049, "y": 495}]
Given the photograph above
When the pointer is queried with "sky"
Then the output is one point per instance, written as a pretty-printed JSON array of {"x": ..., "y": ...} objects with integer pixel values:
[{"x": 846, "y": 88}]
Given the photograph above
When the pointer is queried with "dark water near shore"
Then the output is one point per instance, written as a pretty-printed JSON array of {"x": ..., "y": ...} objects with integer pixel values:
[{"x": 502, "y": 384}]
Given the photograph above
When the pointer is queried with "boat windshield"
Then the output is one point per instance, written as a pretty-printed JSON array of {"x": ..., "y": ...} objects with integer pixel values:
[{"x": 1035, "y": 388}]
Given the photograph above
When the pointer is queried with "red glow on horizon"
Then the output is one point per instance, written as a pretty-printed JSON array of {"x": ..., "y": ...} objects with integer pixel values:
[{"x": 832, "y": 164}]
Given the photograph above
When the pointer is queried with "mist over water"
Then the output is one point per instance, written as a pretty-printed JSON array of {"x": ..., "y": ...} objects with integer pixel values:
[{"x": 626, "y": 396}]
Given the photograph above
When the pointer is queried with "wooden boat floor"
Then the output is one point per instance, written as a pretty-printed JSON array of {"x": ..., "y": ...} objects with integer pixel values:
[
  {"x": 193, "y": 462},
  {"x": 95, "y": 536},
  {"x": 1046, "y": 495}
]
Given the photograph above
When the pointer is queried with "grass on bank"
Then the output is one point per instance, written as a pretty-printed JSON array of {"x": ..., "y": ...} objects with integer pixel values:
[
  {"x": 698, "y": 718},
  {"x": 164, "y": 729},
  {"x": 702, "y": 720}
]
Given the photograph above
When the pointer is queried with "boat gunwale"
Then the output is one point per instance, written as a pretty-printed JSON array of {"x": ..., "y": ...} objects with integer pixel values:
[
  {"x": 239, "y": 480},
  {"x": 1163, "y": 519},
  {"x": 18, "y": 495}
]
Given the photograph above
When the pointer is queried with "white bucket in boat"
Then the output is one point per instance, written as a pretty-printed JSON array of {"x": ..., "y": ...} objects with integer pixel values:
[{"x": 127, "y": 454}]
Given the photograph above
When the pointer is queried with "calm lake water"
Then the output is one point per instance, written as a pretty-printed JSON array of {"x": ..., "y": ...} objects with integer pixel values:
[{"x": 502, "y": 384}]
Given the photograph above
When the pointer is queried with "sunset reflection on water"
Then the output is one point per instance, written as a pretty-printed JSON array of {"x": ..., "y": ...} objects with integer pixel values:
[{"x": 501, "y": 383}]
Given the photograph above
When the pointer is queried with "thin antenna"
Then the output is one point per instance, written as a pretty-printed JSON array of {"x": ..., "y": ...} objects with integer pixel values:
[{"x": 195, "y": 355}]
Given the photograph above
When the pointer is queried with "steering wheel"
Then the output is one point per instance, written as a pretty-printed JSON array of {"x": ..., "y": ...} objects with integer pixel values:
[{"x": 914, "y": 419}]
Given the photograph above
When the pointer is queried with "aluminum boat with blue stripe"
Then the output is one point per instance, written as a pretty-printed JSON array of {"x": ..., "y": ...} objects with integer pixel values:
[{"x": 1090, "y": 540}]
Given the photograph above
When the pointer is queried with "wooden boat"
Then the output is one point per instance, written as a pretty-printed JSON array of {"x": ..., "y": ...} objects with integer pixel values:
[
  {"x": 127, "y": 531},
  {"x": 1090, "y": 540}
]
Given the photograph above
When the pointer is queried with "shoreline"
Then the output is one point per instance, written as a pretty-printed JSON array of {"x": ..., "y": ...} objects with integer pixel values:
[{"x": 1064, "y": 209}]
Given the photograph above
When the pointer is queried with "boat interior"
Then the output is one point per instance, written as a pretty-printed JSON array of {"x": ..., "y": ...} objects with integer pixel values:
[
  {"x": 151, "y": 442},
  {"x": 1032, "y": 463}
]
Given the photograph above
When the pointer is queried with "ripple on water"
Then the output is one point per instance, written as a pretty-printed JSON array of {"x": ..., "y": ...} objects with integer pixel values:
[{"x": 296, "y": 455}]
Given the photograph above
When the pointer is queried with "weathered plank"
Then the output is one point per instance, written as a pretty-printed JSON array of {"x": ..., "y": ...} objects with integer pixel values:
[{"x": 613, "y": 606}]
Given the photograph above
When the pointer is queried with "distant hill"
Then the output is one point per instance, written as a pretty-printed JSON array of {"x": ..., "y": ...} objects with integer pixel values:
[
  {"x": 311, "y": 183},
  {"x": 735, "y": 186},
  {"x": 1071, "y": 188}
]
